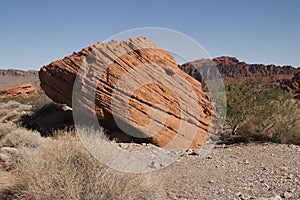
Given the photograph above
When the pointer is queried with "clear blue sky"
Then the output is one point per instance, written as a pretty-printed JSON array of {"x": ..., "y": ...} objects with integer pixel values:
[{"x": 34, "y": 33}]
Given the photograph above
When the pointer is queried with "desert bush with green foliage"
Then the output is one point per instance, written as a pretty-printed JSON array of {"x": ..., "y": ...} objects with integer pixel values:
[{"x": 262, "y": 115}]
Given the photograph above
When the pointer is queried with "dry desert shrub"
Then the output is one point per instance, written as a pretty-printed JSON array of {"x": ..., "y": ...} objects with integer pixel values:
[
  {"x": 20, "y": 137},
  {"x": 11, "y": 105},
  {"x": 13, "y": 110},
  {"x": 292, "y": 136},
  {"x": 5, "y": 129},
  {"x": 16, "y": 143},
  {"x": 3, "y": 112},
  {"x": 63, "y": 169},
  {"x": 11, "y": 116}
]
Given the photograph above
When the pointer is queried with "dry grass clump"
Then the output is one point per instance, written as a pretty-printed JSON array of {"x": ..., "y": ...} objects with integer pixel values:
[
  {"x": 3, "y": 113},
  {"x": 63, "y": 169},
  {"x": 12, "y": 135},
  {"x": 16, "y": 143},
  {"x": 21, "y": 137},
  {"x": 5, "y": 129},
  {"x": 11, "y": 105},
  {"x": 11, "y": 116},
  {"x": 12, "y": 110}
]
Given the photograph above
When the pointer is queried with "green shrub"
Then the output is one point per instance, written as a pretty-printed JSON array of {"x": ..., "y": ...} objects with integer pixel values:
[{"x": 265, "y": 115}]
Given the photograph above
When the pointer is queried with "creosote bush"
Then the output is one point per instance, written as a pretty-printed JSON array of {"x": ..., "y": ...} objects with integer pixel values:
[{"x": 261, "y": 115}]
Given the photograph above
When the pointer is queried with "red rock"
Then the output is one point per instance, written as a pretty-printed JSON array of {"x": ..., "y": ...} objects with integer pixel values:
[
  {"x": 58, "y": 77},
  {"x": 23, "y": 91},
  {"x": 232, "y": 69}
]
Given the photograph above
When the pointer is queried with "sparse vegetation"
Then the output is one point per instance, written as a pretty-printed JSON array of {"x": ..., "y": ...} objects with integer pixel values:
[
  {"x": 63, "y": 169},
  {"x": 6, "y": 129},
  {"x": 20, "y": 137},
  {"x": 266, "y": 115},
  {"x": 12, "y": 110}
]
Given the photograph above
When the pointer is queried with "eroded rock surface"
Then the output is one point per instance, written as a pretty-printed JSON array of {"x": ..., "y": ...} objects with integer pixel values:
[
  {"x": 238, "y": 72},
  {"x": 136, "y": 76},
  {"x": 22, "y": 91}
]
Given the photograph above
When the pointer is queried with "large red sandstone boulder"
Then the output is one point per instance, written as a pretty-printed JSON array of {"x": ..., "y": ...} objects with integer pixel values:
[
  {"x": 22, "y": 91},
  {"x": 119, "y": 59}
]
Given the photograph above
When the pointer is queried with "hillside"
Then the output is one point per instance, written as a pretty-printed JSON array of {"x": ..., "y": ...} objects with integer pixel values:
[{"x": 270, "y": 76}]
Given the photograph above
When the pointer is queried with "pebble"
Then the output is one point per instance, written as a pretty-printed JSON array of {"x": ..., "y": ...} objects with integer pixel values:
[
  {"x": 287, "y": 195},
  {"x": 290, "y": 176},
  {"x": 277, "y": 197},
  {"x": 9, "y": 150},
  {"x": 193, "y": 153},
  {"x": 292, "y": 146},
  {"x": 285, "y": 169},
  {"x": 267, "y": 186},
  {"x": 4, "y": 157},
  {"x": 2, "y": 173},
  {"x": 172, "y": 195}
]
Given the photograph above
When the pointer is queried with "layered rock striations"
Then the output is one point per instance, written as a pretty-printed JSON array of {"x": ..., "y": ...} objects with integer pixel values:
[
  {"x": 21, "y": 91},
  {"x": 232, "y": 69},
  {"x": 137, "y": 84}
]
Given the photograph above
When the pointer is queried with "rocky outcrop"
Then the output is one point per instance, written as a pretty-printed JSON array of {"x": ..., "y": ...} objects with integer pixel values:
[
  {"x": 232, "y": 69},
  {"x": 292, "y": 85},
  {"x": 21, "y": 91},
  {"x": 140, "y": 60}
]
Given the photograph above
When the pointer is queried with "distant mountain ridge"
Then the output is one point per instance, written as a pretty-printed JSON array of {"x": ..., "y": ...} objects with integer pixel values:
[
  {"x": 272, "y": 76},
  {"x": 16, "y": 72},
  {"x": 230, "y": 66}
]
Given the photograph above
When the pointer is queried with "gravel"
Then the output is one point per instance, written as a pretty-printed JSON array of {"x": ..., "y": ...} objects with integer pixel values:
[{"x": 240, "y": 171}]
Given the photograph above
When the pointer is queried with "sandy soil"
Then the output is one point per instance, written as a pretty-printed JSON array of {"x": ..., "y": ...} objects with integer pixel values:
[{"x": 10, "y": 81}]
